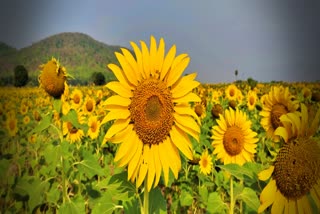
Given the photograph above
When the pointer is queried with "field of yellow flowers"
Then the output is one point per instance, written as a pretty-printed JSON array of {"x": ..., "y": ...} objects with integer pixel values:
[{"x": 159, "y": 143}]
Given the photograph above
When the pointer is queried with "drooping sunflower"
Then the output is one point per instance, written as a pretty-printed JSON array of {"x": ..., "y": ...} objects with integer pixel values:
[
  {"x": 205, "y": 163},
  {"x": 277, "y": 102},
  {"x": 53, "y": 78},
  {"x": 151, "y": 111},
  {"x": 233, "y": 139},
  {"x": 295, "y": 174}
]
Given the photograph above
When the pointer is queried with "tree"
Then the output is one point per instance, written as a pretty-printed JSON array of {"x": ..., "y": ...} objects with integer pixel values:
[
  {"x": 236, "y": 73},
  {"x": 20, "y": 76},
  {"x": 98, "y": 78}
]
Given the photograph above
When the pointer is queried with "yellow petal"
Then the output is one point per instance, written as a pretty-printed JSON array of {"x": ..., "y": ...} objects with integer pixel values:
[
  {"x": 117, "y": 101},
  {"x": 164, "y": 161},
  {"x": 131, "y": 60},
  {"x": 139, "y": 59},
  {"x": 306, "y": 205},
  {"x": 133, "y": 164},
  {"x": 266, "y": 174},
  {"x": 267, "y": 196},
  {"x": 167, "y": 62},
  {"x": 181, "y": 141},
  {"x": 116, "y": 127},
  {"x": 126, "y": 148},
  {"x": 120, "y": 136},
  {"x": 151, "y": 166},
  {"x": 116, "y": 114},
  {"x": 279, "y": 203},
  {"x": 119, "y": 89},
  {"x": 315, "y": 124},
  {"x": 189, "y": 131},
  {"x": 176, "y": 72},
  {"x": 143, "y": 169},
  {"x": 127, "y": 69},
  {"x": 187, "y": 121},
  {"x": 153, "y": 56},
  {"x": 146, "y": 59},
  {"x": 190, "y": 97},
  {"x": 117, "y": 71},
  {"x": 160, "y": 55},
  {"x": 186, "y": 110},
  {"x": 281, "y": 131},
  {"x": 174, "y": 158},
  {"x": 183, "y": 87},
  {"x": 157, "y": 164}
]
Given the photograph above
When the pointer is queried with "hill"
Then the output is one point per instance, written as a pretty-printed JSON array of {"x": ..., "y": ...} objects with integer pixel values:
[{"x": 78, "y": 52}]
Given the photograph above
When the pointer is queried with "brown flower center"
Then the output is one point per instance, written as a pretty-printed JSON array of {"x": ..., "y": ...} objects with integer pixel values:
[
  {"x": 89, "y": 106},
  {"x": 204, "y": 162},
  {"x": 198, "y": 110},
  {"x": 94, "y": 127},
  {"x": 233, "y": 140},
  {"x": 12, "y": 124},
  {"x": 71, "y": 128},
  {"x": 151, "y": 111},
  {"x": 76, "y": 99},
  {"x": 297, "y": 168},
  {"x": 251, "y": 100},
  {"x": 277, "y": 111}
]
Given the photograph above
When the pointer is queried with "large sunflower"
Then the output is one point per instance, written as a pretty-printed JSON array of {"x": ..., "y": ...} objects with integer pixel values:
[
  {"x": 151, "y": 111},
  {"x": 233, "y": 139},
  {"x": 279, "y": 101},
  {"x": 295, "y": 175}
]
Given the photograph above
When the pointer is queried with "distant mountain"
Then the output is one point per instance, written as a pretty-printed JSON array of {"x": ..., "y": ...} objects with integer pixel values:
[{"x": 78, "y": 52}]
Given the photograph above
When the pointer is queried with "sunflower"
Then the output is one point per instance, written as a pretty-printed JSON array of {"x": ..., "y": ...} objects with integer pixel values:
[
  {"x": 279, "y": 101},
  {"x": 233, "y": 139},
  {"x": 200, "y": 109},
  {"x": 76, "y": 98},
  {"x": 71, "y": 131},
  {"x": 151, "y": 112},
  {"x": 232, "y": 92},
  {"x": 11, "y": 124},
  {"x": 53, "y": 78},
  {"x": 205, "y": 163},
  {"x": 94, "y": 127},
  {"x": 89, "y": 105},
  {"x": 251, "y": 100},
  {"x": 295, "y": 174},
  {"x": 26, "y": 120}
]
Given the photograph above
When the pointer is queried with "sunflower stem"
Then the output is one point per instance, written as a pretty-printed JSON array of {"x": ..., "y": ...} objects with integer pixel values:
[
  {"x": 146, "y": 198},
  {"x": 231, "y": 196}
]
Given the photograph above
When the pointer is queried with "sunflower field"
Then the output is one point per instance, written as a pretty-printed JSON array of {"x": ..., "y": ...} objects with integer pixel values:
[{"x": 158, "y": 141}]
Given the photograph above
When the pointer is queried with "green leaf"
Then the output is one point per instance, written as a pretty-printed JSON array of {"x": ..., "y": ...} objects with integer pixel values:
[
  {"x": 186, "y": 198},
  {"x": 90, "y": 165},
  {"x": 215, "y": 204},
  {"x": 74, "y": 206},
  {"x": 57, "y": 105},
  {"x": 72, "y": 117},
  {"x": 236, "y": 170},
  {"x": 203, "y": 191},
  {"x": 43, "y": 124},
  {"x": 250, "y": 197},
  {"x": 105, "y": 204},
  {"x": 157, "y": 203}
]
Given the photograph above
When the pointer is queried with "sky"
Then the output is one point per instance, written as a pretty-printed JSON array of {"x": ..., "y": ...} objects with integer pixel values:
[{"x": 264, "y": 40}]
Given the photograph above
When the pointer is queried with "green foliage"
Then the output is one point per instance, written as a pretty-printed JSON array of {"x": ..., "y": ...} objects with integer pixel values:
[
  {"x": 20, "y": 76},
  {"x": 98, "y": 78}
]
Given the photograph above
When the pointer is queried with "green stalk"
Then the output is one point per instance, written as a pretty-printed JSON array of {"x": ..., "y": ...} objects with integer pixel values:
[
  {"x": 146, "y": 197},
  {"x": 231, "y": 196}
]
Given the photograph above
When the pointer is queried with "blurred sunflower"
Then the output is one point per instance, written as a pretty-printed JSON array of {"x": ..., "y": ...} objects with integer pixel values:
[
  {"x": 279, "y": 101},
  {"x": 76, "y": 98},
  {"x": 72, "y": 133},
  {"x": 251, "y": 100},
  {"x": 53, "y": 78},
  {"x": 205, "y": 163},
  {"x": 94, "y": 127},
  {"x": 23, "y": 109},
  {"x": 232, "y": 92},
  {"x": 200, "y": 110},
  {"x": 295, "y": 174},
  {"x": 233, "y": 139},
  {"x": 89, "y": 105},
  {"x": 12, "y": 124},
  {"x": 151, "y": 111},
  {"x": 26, "y": 120}
]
